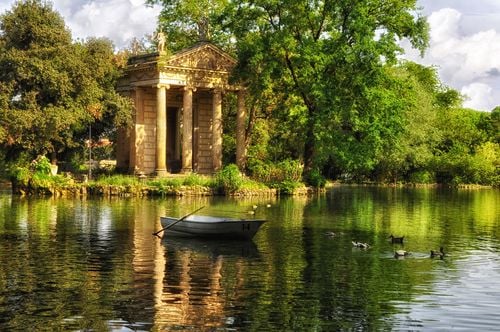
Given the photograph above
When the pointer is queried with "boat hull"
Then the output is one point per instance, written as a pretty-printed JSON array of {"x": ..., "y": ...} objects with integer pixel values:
[{"x": 211, "y": 227}]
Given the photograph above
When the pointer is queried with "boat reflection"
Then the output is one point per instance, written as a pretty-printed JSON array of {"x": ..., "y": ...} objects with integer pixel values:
[{"x": 212, "y": 247}]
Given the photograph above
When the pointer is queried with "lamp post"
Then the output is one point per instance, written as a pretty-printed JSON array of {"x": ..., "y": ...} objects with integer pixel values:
[{"x": 90, "y": 152}]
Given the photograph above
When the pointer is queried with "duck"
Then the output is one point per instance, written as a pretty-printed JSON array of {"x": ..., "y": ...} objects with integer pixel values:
[
  {"x": 401, "y": 253},
  {"x": 395, "y": 239},
  {"x": 361, "y": 245},
  {"x": 440, "y": 253},
  {"x": 330, "y": 234}
]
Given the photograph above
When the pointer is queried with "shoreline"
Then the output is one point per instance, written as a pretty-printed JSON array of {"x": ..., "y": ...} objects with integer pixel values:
[{"x": 138, "y": 190}]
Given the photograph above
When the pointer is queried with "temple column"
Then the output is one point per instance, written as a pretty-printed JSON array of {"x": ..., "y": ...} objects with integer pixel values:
[
  {"x": 161, "y": 130},
  {"x": 138, "y": 122},
  {"x": 217, "y": 130},
  {"x": 241, "y": 131},
  {"x": 187, "y": 130}
]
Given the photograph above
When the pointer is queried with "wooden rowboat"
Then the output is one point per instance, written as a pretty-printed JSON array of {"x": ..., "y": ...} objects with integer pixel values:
[{"x": 211, "y": 227}]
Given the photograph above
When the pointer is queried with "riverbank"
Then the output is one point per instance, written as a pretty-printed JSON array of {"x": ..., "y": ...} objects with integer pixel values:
[
  {"x": 174, "y": 185},
  {"x": 235, "y": 185}
]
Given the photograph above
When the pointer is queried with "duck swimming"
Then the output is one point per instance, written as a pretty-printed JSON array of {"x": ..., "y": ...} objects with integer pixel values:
[
  {"x": 438, "y": 254},
  {"x": 361, "y": 245},
  {"x": 401, "y": 253},
  {"x": 395, "y": 239}
]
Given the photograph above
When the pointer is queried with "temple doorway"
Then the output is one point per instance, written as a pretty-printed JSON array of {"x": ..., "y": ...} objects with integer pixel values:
[{"x": 173, "y": 140}]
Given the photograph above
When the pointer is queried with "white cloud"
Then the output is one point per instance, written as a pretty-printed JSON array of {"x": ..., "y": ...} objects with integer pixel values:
[
  {"x": 444, "y": 25},
  {"x": 479, "y": 96},
  {"x": 468, "y": 62},
  {"x": 118, "y": 20}
]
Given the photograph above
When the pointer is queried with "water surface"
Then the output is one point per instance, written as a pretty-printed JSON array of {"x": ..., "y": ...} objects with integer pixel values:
[{"x": 93, "y": 264}]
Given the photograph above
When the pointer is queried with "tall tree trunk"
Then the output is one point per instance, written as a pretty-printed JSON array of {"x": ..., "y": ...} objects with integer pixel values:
[{"x": 309, "y": 146}]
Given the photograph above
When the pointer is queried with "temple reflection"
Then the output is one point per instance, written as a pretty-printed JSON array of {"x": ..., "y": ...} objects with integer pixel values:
[{"x": 198, "y": 281}]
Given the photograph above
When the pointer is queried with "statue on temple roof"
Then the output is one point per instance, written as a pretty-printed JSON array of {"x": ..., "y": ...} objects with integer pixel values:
[{"x": 161, "y": 39}]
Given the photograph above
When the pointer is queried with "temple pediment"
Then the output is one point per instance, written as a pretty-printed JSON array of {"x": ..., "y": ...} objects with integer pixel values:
[
  {"x": 203, "y": 65},
  {"x": 202, "y": 56}
]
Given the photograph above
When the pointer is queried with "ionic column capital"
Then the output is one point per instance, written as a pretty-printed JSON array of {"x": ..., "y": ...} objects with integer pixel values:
[
  {"x": 189, "y": 87},
  {"x": 160, "y": 85}
]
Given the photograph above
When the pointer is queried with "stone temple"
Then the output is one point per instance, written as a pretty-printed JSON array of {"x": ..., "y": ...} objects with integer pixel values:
[{"x": 178, "y": 112}]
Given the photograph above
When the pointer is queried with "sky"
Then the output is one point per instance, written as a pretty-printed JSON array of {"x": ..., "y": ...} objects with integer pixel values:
[{"x": 464, "y": 45}]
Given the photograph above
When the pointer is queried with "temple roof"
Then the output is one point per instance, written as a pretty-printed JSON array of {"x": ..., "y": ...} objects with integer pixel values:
[
  {"x": 203, "y": 55},
  {"x": 202, "y": 65}
]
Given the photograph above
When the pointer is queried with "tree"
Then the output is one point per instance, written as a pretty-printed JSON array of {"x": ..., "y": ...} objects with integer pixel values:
[
  {"x": 51, "y": 88},
  {"x": 330, "y": 56},
  {"x": 408, "y": 156},
  {"x": 188, "y": 21}
]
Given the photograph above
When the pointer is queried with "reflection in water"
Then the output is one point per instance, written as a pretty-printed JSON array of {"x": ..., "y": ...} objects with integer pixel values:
[
  {"x": 193, "y": 294},
  {"x": 94, "y": 264}
]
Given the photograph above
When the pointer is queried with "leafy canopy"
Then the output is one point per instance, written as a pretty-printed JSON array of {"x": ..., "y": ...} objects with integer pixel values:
[
  {"x": 328, "y": 57},
  {"x": 187, "y": 21},
  {"x": 52, "y": 89}
]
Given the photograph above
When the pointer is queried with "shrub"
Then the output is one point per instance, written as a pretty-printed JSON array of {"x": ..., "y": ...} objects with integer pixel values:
[
  {"x": 422, "y": 177},
  {"x": 41, "y": 165},
  {"x": 39, "y": 176},
  {"x": 316, "y": 179},
  {"x": 268, "y": 173},
  {"x": 228, "y": 179},
  {"x": 287, "y": 187}
]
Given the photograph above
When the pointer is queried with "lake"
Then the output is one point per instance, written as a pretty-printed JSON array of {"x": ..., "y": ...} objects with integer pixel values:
[{"x": 93, "y": 264}]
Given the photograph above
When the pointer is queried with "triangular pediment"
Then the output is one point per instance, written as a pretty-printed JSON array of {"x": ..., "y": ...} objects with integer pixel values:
[{"x": 205, "y": 56}]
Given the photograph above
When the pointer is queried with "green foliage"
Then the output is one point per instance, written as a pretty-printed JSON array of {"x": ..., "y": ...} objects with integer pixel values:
[
  {"x": 411, "y": 148},
  {"x": 285, "y": 176},
  {"x": 21, "y": 175},
  {"x": 425, "y": 177},
  {"x": 41, "y": 166},
  {"x": 196, "y": 180},
  {"x": 52, "y": 89},
  {"x": 192, "y": 180},
  {"x": 316, "y": 179},
  {"x": 115, "y": 180},
  {"x": 272, "y": 173},
  {"x": 287, "y": 187},
  {"x": 493, "y": 125},
  {"x": 188, "y": 21},
  {"x": 39, "y": 176},
  {"x": 229, "y": 179},
  {"x": 326, "y": 57},
  {"x": 458, "y": 166}
]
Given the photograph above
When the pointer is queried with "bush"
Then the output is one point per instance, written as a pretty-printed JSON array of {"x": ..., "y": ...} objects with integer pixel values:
[
  {"x": 422, "y": 177},
  {"x": 39, "y": 176},
  {"x": 316, "y": 179},
  {"x": 41, "y": 165},
  {"x": 459, "y": 167},
  {"x": 229, "y": 179},
  {"x": 288, "y": 187},
  {"x": 272, "y": 174}
]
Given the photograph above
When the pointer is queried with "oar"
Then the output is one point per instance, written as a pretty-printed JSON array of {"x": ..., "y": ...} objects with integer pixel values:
[{"x": 178, "y": 220}]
